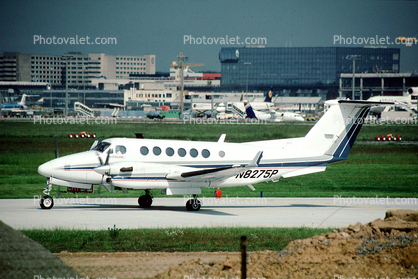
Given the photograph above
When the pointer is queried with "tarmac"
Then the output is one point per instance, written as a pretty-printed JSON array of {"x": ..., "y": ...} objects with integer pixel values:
[{"x": 102, "y": 213}]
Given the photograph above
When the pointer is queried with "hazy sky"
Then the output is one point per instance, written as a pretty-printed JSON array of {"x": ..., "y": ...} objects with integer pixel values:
[{"x": 160, "y": 27}]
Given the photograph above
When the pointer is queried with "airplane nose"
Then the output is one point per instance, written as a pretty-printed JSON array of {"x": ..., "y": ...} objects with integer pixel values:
[{"x": 45, "y": 169}]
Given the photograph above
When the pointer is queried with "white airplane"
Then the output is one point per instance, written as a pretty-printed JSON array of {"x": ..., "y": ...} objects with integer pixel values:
[
  {"x": 409, "y": 100},
  {"x": 179, "y": 167},
  {"x": 261, "y": 110},
  {"x": 267, "y": 115},
  {"x": 19, "y": 105}
]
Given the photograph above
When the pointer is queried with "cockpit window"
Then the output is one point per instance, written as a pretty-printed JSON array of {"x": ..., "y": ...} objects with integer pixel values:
[{"x": 101, "y": 146}]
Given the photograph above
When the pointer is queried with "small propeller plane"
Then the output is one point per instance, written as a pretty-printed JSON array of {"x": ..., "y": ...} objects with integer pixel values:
[{"x": 179, "y": 167}]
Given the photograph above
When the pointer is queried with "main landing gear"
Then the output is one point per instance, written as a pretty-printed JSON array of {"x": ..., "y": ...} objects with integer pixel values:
[
  {"x": 145, "y": 201},
  {"x": 46, "y": 201},
  {"x": 193, "y": 204}
]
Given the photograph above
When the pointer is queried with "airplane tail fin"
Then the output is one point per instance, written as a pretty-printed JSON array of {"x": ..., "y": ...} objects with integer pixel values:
[
  {"x": 336, "y": 131},
  {"x": 249, "y": 110},
  {"x": 269, "y": 95},
  {"x": 23, "y": 101}
]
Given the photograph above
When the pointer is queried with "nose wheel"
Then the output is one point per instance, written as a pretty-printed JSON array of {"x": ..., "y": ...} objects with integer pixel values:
[
  {"x": 193, "y": 204},
  {"x": 46, "y": 202}
]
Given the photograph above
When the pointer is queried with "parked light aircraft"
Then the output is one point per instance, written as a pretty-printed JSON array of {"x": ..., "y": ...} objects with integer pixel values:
[{"x": 179, "y": 167}]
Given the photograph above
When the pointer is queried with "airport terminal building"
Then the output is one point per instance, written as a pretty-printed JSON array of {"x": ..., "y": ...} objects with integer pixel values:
[{"x": 300, "y": 71}]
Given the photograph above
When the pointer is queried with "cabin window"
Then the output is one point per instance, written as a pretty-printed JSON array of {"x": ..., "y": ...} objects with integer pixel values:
[
  {"x": 221, "y": 154},
  {"x": 120, "y": 149},
  {"x": 144, "y": 150},
  {"x": 194, "y": 153},
  {"x": 169, "y": 151},
  {"x": 205, "y": 153},
  {"x": 156, "y": 150},
  {"x": 181, "y": 152}
]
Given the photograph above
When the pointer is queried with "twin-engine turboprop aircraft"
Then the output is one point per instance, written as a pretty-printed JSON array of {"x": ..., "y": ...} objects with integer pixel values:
[{"x": 185, "y": 167}]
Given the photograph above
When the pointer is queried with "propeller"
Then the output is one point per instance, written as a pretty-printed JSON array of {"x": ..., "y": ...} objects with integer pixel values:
[
  {"x": 103, "y": 169},
  {"x": 104, "y": 157}
]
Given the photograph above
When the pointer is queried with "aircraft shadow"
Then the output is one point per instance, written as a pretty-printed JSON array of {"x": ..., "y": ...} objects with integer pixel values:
[
  {"x": 124, "y": 207},
  {"x": 215, "y": 210}
]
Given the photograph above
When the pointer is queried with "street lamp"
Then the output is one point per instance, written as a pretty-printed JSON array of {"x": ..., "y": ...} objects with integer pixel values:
[{"x": 66, "y": 58}]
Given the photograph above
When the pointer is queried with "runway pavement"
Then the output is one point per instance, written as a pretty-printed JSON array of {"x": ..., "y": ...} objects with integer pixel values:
[{"x": 101, "y": 213}]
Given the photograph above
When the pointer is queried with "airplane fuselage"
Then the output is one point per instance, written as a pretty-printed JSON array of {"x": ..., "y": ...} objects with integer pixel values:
[{"x": 149, "y": 164}]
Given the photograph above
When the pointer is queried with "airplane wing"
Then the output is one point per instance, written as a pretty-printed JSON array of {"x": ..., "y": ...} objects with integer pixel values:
[{"x": 215, "y": 174}]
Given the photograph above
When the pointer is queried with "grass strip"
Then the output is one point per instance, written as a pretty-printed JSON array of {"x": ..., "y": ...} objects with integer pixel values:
[{"x": 169, "y": 240}]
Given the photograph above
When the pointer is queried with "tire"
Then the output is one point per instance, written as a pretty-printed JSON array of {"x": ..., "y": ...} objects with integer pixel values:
[
  {"x": 46, "y": 202},
  {"x": 193, "y": 205},
  {"x": 145, "y": 201}
]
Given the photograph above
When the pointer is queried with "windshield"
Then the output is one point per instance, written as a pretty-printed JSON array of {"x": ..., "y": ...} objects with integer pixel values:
[{"x": 101, "y": 146}]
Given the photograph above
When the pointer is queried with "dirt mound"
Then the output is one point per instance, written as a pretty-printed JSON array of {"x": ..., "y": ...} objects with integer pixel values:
[{"x": 380, "y": 249}]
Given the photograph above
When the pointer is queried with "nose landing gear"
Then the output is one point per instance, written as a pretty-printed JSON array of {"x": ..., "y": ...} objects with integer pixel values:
[{"x": 46, "y": 201}]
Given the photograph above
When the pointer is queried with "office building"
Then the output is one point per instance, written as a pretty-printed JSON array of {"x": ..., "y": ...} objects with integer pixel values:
[
  {"x": 81, "y": 68},
  {"x": 300, "y": 71}
]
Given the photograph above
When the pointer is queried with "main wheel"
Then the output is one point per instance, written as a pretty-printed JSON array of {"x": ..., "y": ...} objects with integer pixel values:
[
  {"x": 193, "y": 205},
  {"x": 145, "y": 201},
  {"x": 46, "y": 202}
]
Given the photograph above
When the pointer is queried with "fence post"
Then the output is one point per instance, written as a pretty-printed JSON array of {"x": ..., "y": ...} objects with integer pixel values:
[{"x": 243, "y": 257}]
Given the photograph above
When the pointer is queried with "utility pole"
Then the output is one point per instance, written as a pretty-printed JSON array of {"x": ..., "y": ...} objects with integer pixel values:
[{"x": 354, "y": 58}]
